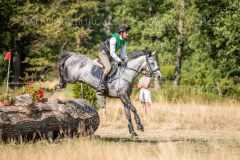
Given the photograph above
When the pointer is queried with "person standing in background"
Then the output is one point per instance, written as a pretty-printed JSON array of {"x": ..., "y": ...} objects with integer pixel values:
[{"x": 145, "y": 95}]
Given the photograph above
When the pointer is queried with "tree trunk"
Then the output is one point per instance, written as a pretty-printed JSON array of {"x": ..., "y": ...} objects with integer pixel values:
[
  {"x": 16, "y": 63},
  {"x": 62, "y": 47},
  {"x": 59, "y": 118},
  {"x": 78, "y": 43},
  {"x": 151, "y": 12},
  {"x": 180, "y": 46},
  {"x": 157, "y": 83}
]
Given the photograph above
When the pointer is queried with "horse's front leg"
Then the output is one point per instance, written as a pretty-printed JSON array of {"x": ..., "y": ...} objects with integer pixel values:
[
  {"x": 127, "y": 106},
  {"x": 130, "y": 125}
]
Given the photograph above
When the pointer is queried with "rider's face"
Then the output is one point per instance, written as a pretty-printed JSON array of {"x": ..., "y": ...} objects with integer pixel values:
[{"x": 125, "y": 34}]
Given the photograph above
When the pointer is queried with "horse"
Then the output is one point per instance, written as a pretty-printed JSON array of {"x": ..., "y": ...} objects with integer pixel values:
[{"x": 77, "y": 68}]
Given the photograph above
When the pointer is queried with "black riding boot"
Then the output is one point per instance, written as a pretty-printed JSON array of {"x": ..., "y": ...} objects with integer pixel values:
[{"x": 103, "y": 85}]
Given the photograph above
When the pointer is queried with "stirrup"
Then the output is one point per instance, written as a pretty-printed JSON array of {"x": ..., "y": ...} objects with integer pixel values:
[{"x": 102, "y": 88}]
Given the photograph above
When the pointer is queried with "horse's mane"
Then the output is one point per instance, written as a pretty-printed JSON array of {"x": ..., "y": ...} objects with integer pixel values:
[{"x": 138, "y": 53}]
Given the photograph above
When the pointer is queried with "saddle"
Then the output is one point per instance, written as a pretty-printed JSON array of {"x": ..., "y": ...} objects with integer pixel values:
[{"x": 98, "y": 63}]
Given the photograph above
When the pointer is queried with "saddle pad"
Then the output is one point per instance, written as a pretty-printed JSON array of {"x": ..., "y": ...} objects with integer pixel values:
[{"x": 96, "y": 73}]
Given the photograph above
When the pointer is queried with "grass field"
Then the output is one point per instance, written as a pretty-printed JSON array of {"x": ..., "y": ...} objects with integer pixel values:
[{"x": 190, "y": 130}]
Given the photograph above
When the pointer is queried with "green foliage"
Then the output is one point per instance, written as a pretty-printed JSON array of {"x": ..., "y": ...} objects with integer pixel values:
[
  {"x": 167, "y": 73},
  {"x": 7, "y": 96},
  {"x": 38, "y": 31},
  {"x": 38, "y": 65},
  {"x": 188, "y": 94},
  {"x": 205, "y": 74},
  {"x": 3, "y": 68},
  {"x": 88, "y": 93},
  {"x": 217, "y": 32}
]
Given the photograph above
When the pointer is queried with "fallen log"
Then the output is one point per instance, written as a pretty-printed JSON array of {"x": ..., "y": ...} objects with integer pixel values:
[{"x": 52, "y": 119}]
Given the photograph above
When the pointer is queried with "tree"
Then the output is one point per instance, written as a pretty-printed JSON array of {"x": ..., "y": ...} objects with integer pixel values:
[
  {"x": 154, "y": 27},
  {"x": 39, "y": 26},
  {"x": 179, "y": 46},
  {"x": 16, "y": 35},
  {"x": 217, "y": 35}
]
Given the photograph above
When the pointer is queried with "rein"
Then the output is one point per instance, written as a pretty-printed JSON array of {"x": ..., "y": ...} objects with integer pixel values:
[
  {"x": 151, "y": 71},
  {"x": 128, "y": 68}
]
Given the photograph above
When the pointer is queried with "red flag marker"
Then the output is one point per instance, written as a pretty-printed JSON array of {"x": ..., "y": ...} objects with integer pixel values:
[{"x": 8, "y": 56}]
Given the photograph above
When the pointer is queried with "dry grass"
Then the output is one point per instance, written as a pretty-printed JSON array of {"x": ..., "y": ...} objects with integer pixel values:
[
  {"x": 66, "y": 93},
  {"x": 104, "y": 149},
  {"x": 47, "y": 84},
  {"x": 172, "y": 131},
  {"x": 170, "y": 116}
]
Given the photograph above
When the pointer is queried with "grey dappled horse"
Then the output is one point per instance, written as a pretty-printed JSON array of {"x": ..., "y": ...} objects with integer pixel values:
[{"x": 76, "y": 68}]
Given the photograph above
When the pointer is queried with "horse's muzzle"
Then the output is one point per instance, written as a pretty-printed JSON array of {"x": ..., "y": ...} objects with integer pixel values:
[{"x": 157, "y": 78}]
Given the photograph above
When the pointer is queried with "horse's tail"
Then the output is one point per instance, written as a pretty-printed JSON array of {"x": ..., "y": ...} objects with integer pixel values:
[{"x": 63, "y": 57}]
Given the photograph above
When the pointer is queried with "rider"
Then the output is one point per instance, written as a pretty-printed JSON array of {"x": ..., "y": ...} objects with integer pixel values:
[{"x": 109, "y": 48}]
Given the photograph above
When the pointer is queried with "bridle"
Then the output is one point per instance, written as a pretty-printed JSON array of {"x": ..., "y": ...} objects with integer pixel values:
[
  {"x": 128, "y": 68},
  {"x": 150, "y": 69}
]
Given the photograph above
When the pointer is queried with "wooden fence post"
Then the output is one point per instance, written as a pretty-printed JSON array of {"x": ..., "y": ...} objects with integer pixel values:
[{"x": 219, "y": 90}]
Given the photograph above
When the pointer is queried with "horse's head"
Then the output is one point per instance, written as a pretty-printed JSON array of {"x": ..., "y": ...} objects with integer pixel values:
[{"x": 152, "y": 67}]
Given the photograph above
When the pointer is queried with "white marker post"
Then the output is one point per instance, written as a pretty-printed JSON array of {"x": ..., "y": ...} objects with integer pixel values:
[
  {"x": 8, "y": 56},
  {"x": 82, "y": 90}
]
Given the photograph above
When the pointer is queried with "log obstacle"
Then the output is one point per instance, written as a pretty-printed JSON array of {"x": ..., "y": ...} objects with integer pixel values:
[{"x": 54, "y": 118}]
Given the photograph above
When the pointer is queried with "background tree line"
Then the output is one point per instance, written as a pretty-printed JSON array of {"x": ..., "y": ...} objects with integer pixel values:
[{"x": 201, "y": 36}]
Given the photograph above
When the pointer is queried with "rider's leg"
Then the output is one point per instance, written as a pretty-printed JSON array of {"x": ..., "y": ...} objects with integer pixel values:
[
  {"x": 102, "y": 85},
  {"x": 104, "y": 57},
  {"x": 105, "y": 60}
]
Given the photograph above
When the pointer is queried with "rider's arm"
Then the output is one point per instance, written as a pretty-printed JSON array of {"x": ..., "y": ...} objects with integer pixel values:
[
  {"x": 123, "y": 51},
  {"x": 113, "y": 42}
]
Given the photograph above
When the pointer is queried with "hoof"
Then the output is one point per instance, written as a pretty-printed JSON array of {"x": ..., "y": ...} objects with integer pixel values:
[
  {"x": 140, "y": 127},
  {"x": 57, "y": 86},
  {"x": 134, "y": 135},
  {"x": 60, "y": 85},
  {"x": 96, "y": 137}
]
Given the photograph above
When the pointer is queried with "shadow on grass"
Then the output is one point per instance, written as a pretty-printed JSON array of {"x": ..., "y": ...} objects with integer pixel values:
[{"x": 124, "y": 140}]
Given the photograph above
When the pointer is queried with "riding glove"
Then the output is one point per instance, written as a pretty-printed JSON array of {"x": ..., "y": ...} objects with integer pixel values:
[{"x": 123, "y": 63}]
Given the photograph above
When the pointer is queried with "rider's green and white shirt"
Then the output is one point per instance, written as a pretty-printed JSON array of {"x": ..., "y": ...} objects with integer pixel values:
[{"x": 121, "y": 44}]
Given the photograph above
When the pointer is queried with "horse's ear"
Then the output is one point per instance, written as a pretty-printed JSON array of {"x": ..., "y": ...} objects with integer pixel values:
[
  {"x": 153, "y": 53},
  {"x": 149, "y": 53}
]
